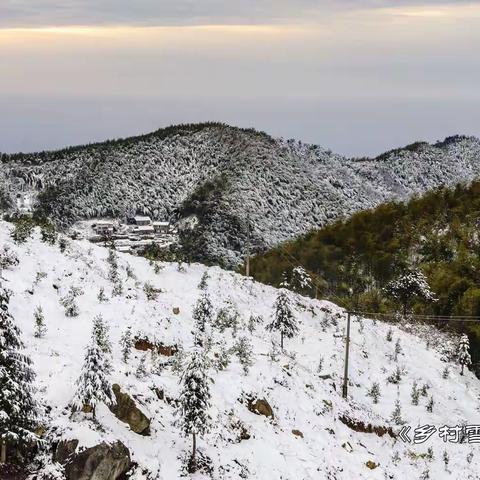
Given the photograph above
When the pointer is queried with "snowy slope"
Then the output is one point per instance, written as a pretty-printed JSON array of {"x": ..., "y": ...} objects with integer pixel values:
[
  {"x": 284, "y": 187},
  {"x": 300, "y": 399}
]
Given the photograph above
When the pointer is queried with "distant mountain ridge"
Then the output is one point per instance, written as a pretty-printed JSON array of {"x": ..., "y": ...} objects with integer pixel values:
[{"x": 221, "y": 176}]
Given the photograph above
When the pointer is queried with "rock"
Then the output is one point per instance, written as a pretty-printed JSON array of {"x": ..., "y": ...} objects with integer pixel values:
[
  {"x": 127, "y": 411},
  {"x": 297, "y": 433},
  {"x": 359, "y": 426},
  {"x": 65, "y": 450},
  {"x": 144, "y": 344},
  {"x": 167, "y": 350},
  {"x": 102, "y": 462},
  {"x": 371, "y": 465},
  {"x": 176, "y": 310},
  {"x": 261, "y": 407}
]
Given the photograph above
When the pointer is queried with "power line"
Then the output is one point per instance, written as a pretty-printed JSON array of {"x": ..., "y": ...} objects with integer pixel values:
[{"x": 450, "y": 318}]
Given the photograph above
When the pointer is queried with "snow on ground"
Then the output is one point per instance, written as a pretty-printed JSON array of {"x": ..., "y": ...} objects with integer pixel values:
[{"x": 301, "y": 399}]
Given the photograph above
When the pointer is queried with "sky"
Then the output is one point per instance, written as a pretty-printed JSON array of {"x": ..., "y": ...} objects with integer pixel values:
[{"x": 356, "y": 76}]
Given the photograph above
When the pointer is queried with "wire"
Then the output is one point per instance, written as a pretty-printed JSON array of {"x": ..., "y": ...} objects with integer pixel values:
[{"x": 452, "y": 318}]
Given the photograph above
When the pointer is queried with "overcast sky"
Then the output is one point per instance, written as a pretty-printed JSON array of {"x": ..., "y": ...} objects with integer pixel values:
[{"x": 356, "y": 76}]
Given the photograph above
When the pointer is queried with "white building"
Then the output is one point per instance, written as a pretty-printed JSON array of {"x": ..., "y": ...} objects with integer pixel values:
[
  {"x": 161, "y": 227},
  {"x": 103, "y": 227},
  {"x": 142, "y": 221}
]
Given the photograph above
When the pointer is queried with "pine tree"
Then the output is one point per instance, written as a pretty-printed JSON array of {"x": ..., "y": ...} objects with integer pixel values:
[
  {"x": 463, "y": 354},
  {"x": 415, "y": 394},
  {"x": 141, "y": 371},
  {"x": 398, "y": 349},
  {"x": 430, "y": 405},
  {"x": 389, "y": 335},
  {"x": 117, "y": 289},
  {"x": 194, "y": 402},
  {"x": 203, "y": 281},
  {"x": 101, "y": 295},
  {"x": 40, "y": 328},
  {"x": 101, "y": 336},
  {"x": 223, "y": 359},
  {"x": 69, "y": 304},
  {"x": 93, "y": 386},
  {"x": 23, "y": 229},
  {"x": 300, "y": 280},
  {"x": 126, "y": 344},
  {"x": 8, "y": 258},
  {"x": 178, "y": 361},
  {"x": 18, "y": 407},
  {"x": 244, "y": 352},
  {"x": 112, "y": 260},
  {"x": 284, "y": 319},
  {"x": 409, "y": 285},
  {"x": 48, "y": 233},
  {"x": 374, "y": 392},
  {"x": 397, "y": 414},
  {"x": 202, "y": 315}
]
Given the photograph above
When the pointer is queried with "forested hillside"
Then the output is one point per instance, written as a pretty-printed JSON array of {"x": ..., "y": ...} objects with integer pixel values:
[
  {"x": 353, "y": 260},
  {"x": 220, "y": 176}
]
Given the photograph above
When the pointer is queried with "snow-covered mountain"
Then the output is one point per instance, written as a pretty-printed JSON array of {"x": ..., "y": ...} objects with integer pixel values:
[
  {"x": 313, "y": 434},
  {"x": 223, "y": 175}
]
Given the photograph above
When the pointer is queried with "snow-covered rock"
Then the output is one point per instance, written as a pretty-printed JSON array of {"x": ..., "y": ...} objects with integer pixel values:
[{"x": 313, "y": 434}]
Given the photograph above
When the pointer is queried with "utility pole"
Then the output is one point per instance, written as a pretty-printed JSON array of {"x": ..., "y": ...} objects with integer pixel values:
[
  {"x": 247, "y": 260},
  {"x": 347, "y": 348}
]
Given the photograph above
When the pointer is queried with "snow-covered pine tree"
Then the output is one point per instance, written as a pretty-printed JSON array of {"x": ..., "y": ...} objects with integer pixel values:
[
  {"x": 396, "y": 416},
  {"x": 101, "y": 335},
  {"x": 101, "y": 295},
  {"x": 8, "y": 258},
  {"x": 284, "y": 320},
  {"x": 243, "y": 350},
  {"x": 126, "y": 344},
  {"x": 202, "y": 315},
  {"x": 464, "y": 358},
  {"x": 40, "y": 328},
  {"x": 18, "y": 407},
  {"x": 203, "y": 281},
  {"x": 194, "y": 401},
  {"x": 407, "y": 286},
  {"x": 300, "y": 280},
  {"x": 93, "y": 386},
  {"x": 112, "y": 260},
  {"x": 223, "y": 359},
  {"x": 374, "y": 392},
  {"x": 141, "y": 371},
  {"x": 117, "y": 290}
]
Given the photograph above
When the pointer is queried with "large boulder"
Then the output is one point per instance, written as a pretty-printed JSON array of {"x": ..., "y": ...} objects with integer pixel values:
[
  {"x": 261, "y": 407},
  {"x": 127, "y": 411},
  {"x": 65, "y": 450},
  {"x": 102, "y": 462}
]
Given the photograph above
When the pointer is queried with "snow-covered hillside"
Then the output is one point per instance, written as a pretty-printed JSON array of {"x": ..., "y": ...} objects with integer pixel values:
[
  {"x": 221, "y": 175},
  {"x": 303, "y": 400}
]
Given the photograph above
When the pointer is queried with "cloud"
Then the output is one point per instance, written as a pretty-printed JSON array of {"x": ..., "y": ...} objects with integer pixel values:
[{"x": 48, "y": 13}]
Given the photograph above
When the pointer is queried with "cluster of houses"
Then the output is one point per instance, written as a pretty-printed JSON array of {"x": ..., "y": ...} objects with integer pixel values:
[{"x": 139, "y": 232}]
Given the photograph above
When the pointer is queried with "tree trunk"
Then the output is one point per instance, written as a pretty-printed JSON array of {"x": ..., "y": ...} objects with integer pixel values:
[
  {"x": 281, "y": 339},
  {"x": 3, "y": 452},
  {"x": 461, "y": 373},
  {"x": 194, "y": 452}
]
